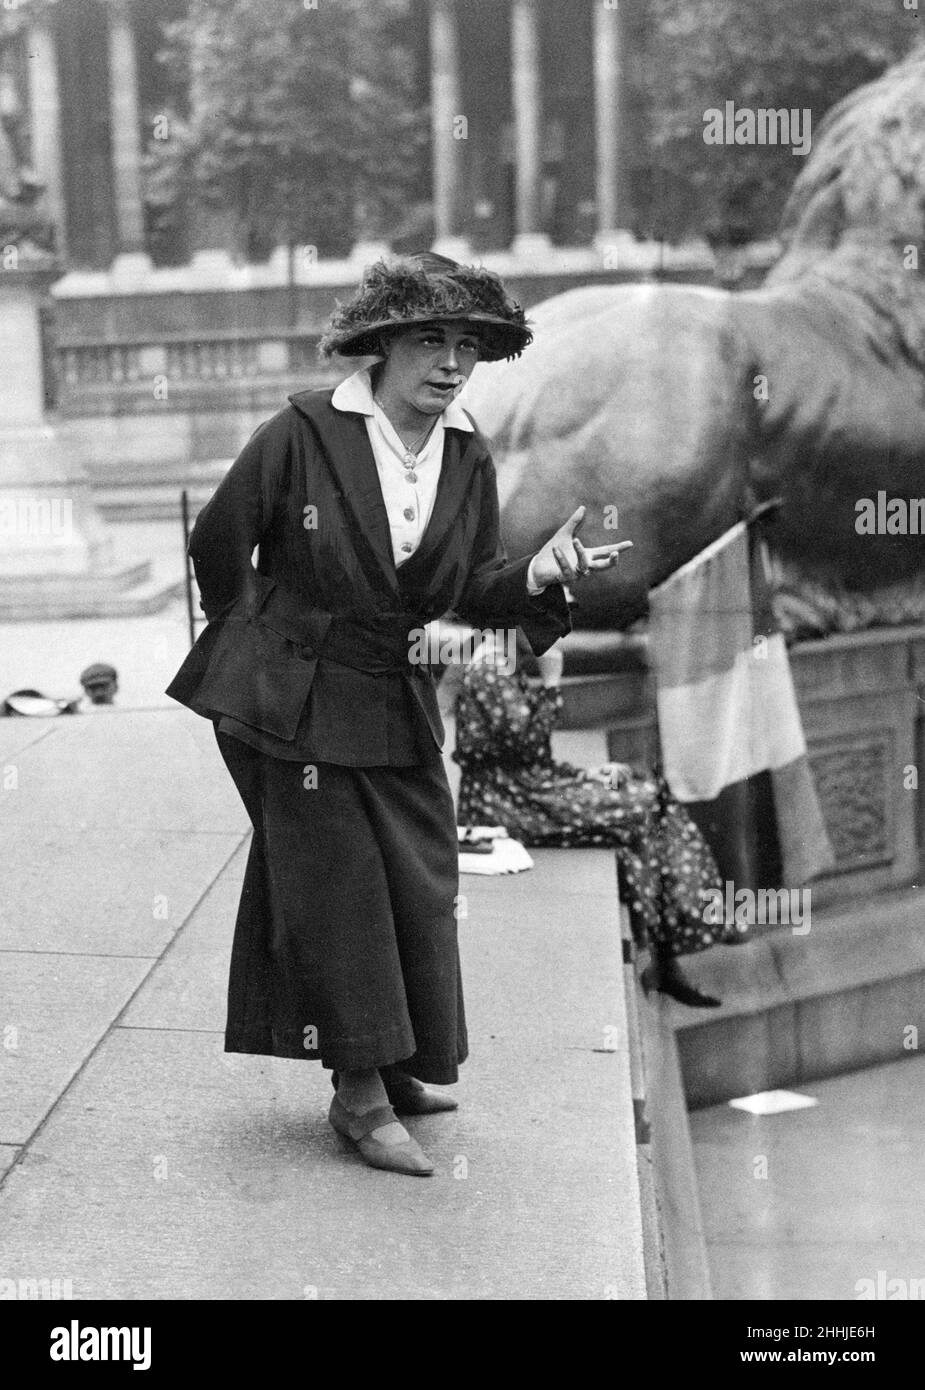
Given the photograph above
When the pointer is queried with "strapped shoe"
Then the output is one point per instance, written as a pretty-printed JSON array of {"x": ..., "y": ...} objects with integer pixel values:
[
  {"x": 406, "y": 1157},
  {"x": 408, "y": 1096}
]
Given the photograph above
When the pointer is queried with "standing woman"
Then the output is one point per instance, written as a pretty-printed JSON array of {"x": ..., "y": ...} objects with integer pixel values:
[{"x": 374, "y": 510}]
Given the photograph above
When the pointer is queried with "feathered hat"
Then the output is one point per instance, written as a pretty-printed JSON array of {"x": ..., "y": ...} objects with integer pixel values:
[{"x": 427, "y": 288}]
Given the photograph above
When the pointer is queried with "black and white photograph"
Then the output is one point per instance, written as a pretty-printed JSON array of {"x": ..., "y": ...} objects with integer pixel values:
[{"x": 462, "y": 665}]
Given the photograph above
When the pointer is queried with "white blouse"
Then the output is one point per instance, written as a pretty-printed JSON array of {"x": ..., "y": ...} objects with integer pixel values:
[{"x": 408, "y": 493}]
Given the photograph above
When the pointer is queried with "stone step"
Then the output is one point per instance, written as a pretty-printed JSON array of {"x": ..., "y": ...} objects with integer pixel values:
[
  {"x": 148, "y": 503},
  {"x": 135, "y": 496},
  {"x": 126, "y": 591},
  {"x": 849, "y": 994}
]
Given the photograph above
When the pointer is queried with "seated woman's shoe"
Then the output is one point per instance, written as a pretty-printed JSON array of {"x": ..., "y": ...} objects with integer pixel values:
[
  {"x": 671, "y": 980},
  {"x": 406, "y": 1157},
  {"x": 408, "y": 1096}
]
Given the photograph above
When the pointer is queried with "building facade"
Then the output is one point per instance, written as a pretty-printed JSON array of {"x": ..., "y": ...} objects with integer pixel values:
[
  {"x": 162, "y": 358},
  {"x": 533, "y": 125}
]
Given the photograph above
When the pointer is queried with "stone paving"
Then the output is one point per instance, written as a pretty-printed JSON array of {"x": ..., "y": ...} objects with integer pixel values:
[{"x": 142, "y": 1161}]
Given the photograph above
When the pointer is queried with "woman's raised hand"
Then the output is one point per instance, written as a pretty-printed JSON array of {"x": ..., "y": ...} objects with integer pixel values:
[{"x": 563, "y": 559}]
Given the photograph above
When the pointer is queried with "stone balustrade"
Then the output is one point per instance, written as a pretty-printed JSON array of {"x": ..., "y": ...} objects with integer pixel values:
[
  {"x": 194, "y": 341},
  {"x": 108, "y": 377}
]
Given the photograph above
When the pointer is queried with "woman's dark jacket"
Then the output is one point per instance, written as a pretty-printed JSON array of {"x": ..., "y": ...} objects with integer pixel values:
[{"x": 307, "y": 655}]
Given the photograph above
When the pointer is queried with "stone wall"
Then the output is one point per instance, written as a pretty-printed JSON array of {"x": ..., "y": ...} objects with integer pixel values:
[
  {"x": 862, "y": 701},
  {"x": 157, "y": 376}
]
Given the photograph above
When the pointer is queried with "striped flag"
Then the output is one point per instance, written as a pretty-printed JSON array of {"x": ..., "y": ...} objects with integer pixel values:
[{"x": 729, "y": 723}]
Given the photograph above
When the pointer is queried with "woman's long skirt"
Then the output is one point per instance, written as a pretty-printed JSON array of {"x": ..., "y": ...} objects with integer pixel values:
[{"x": 345, "y": 946}]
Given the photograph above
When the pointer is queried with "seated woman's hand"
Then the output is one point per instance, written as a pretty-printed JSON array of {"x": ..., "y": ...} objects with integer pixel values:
[
  {"x": 563, "y": 559},
  {"x": 550, "y": 665},
  {"x": 615, "y": 775}
]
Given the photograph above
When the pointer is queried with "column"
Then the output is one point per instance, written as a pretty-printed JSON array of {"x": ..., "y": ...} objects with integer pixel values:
[
  {"x": 211, "y": 227},
  {"x": 125, "y": 139},
  {"x": 45, "y": 119},
  {"x": 528, "y": 128},
  {"x": 608, "y": 82},
  {"x": 369, "y": 244},
  {"x": 446, "y": 146}
]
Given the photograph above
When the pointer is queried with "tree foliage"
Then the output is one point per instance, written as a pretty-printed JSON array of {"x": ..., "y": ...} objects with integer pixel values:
[
  {"x": 791, "y": 54},
  {"x": 304, "y": 122},
  {"x": 302, "y": 125}
]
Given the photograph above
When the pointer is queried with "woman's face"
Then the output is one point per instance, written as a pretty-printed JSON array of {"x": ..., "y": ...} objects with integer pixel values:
[{"x": 428, "y": 365}]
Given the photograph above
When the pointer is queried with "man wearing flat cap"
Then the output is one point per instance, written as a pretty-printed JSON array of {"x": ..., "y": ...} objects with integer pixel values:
[{"x": 100, "y": 683}]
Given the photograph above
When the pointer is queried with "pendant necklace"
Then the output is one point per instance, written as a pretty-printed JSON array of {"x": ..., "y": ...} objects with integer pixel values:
[{"x": 409, "y": 457}]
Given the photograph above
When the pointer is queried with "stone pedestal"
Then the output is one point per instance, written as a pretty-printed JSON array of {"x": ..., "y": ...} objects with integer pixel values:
[
  {"x": 368, "y": 250},
  {"x": 457, "y": 248},
  {"x": 56, "y": 556},
  {"x": 213, "y": 264},
  {"x": 532, "y": 248},
  {"x": 47, "y": 519},
  {"x": 130, "y": 270},
  {"x": 861, "y": 699},
  {"x": 618, "y": 249}
]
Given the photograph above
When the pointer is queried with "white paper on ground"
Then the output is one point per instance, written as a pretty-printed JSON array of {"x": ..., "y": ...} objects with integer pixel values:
[
  {"x": 507, "y": 857},
  {"x": 470, "y": 833},
  {"x": 773, "y": 1102}
]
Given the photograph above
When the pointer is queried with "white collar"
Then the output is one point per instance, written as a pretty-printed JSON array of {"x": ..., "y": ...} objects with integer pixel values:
[{"x": 355, "y": 395}]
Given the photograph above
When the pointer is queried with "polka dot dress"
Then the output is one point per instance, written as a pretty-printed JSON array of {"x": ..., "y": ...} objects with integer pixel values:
[{"x": 504, "y": 725}]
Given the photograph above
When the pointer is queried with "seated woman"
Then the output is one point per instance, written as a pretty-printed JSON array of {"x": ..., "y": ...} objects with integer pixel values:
[{"x": 504, "y": 723}]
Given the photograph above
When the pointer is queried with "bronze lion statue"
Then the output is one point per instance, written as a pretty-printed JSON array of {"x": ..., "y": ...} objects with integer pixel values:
[{"x": 683, "y": 406}]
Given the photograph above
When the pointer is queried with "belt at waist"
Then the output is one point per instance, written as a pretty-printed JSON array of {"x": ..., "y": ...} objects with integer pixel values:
[
  {"x": 378, "y": 644},
  {"x": 386, "y": 648}
]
